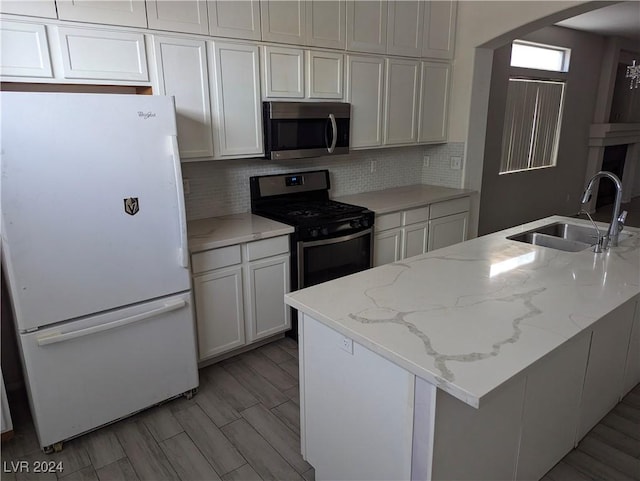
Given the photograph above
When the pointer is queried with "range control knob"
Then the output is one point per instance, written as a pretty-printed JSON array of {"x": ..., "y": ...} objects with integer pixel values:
[
  {"x": 355, "y": 223},
  {"x": 313, "y": 232},
  {"x": 324, "y": 231},
  {"x": 365, "y": 222}
]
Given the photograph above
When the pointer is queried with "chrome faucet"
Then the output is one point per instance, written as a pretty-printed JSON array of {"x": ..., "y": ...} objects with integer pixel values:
[{"x": 617, "y": 218}]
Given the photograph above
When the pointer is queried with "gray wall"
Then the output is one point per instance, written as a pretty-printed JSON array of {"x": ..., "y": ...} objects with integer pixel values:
[{"x": 519, "y": 197}]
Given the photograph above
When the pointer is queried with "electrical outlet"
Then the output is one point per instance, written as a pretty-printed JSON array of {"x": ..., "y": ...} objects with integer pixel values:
[
  {"x": 456, "y": 163},
  {"x": 425, "y": 161},
  {"x": 347, "y": 345},
  {"x": 185, "y": 186},
  {"x": 374, "y": 166}
]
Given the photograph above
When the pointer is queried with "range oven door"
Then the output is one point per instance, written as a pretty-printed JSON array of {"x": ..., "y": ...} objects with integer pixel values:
[{"x": 327, "y": 259}]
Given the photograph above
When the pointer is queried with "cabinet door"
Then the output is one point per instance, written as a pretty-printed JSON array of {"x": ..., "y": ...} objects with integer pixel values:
[
  {"x": 182, "y": 72},
  {"x": 326, "y": 24},
  {"x": 603, "y": 383},
  {"x": 448, "y": 230},
  {"x": 387, "y": 247},
  {"x": 324, "y": 75},
  {"x": 414, "y": 239},
  {"x": 83, "y": 54},
  {"x": 219, "y": 311},
  {"x": 283, "y": 21},
  {"x": 405, "y": 22},
  {"x": 230, "y": 18},
  {"x": 25, "y": 50},
  {"x": 34, "y": 8},
  {"x": 283, "y": 72},
  {"x": 434, "y": 102},
  {"x": 130, "y": 13},
  {"x": 365, "y": 93},
  {"x": 188, "y": 16},
  {"x": 632, "y": 369},
  {"x": 439, "y": 29},
  {"x": 267, "y": 283},
  {"x": 401, "y": 101},
  {"x": 551, "y": 406},
  {"x": 367, "y": 26},
  {"x": 236, "y": 101}
]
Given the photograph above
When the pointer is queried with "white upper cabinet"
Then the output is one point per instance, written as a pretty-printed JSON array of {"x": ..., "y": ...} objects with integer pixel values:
[
  {"x": 181, "y": 71},
  {"x": 189, "y": 16},
  {"x": 367, "y": 26},
  {"x": 103, "y": 54},
  {"x": 405, "y": 23},
  {"x": 401, "y": 101},
  {"x": 35, "y": 8},
  {"x": 434, "y": 102},
  {"x": 24, "y": 50},
  {"x": 237, "y": 108},
  {"x": 439, "y": 29},
  {"x": 324, "y": 75},
  {"x": 326, "y": 24},
  {"x": 283, "y": 21},
  {"x": 283, "y": 74},
  {"x": 130, "y": 13},
  {"x": 231, "y": 18},
  {"x": 365, "y": 93}
]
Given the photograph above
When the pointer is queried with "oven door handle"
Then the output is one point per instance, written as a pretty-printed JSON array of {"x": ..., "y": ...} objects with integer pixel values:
[
  {"x": 336, "y": 240},
  {"x": 334, "y": 138}
]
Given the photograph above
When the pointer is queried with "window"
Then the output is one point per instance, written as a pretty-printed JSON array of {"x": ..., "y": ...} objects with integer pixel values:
[
  {"x": 540, "y": 57},
  {"x": 533, "y": 111}
]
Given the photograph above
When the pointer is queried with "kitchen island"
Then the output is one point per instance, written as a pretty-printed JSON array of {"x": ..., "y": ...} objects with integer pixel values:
[{"x": 488, "y": 359}]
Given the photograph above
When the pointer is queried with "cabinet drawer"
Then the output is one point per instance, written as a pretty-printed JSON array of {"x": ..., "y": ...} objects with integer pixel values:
[
  {"x": 449, "y": 207},
  {"x": 215, "y": 259},
  {"x": 103, "y": 55},
  {"x": 388, "y": 221},
  {"x": 267, "y": 247},
  {"x": 421, "y": 214}
]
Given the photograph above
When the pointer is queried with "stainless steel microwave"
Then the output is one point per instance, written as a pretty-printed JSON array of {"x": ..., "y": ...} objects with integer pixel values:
[{"x": 293, "y": 130}]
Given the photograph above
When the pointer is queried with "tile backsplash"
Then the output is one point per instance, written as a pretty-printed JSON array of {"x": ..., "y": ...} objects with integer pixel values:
[{"x": 222, "y": 187}]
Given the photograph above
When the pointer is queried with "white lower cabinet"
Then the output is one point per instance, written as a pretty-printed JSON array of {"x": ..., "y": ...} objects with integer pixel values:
[
  {"x": 632, "y": 369},
  {"x": 604, "y": 380},
  {"x": 239, "y": 294},
  {"x": 181, "y": 71},
  {"x": 267, "y": 283},
  {"x": 415, "y": 231},
  {"x": 387, "y": 247},
  {"x": 220, "y": 311}
]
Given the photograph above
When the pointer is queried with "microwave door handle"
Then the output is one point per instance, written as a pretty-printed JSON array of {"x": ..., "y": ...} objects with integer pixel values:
[{"x": 334, "y": 139}]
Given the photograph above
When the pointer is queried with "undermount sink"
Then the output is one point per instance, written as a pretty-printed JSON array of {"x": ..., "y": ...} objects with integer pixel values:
[{"x": 561, "y": 236}]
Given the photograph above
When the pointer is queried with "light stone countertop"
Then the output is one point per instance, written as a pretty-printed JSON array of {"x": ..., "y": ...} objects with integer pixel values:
[
  {"x": 214, "y": 232},
  {"x": 470, "y": 317},
  {"x": 402, "y": 198}
]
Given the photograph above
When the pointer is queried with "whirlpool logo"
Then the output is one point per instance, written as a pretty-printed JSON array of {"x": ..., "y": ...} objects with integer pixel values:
[
  {"x": 131, "y": 205},
  {"x": 146, "y": 115}
]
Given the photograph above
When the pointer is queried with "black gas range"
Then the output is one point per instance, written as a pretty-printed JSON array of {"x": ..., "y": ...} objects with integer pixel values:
[{"x": 331, "y": 239}]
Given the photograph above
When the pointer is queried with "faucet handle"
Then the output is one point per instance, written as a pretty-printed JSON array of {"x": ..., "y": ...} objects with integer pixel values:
[{"x": 621, "y": 219}]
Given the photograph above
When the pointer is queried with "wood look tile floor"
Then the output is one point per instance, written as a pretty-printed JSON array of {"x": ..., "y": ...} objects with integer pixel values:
[{"x": 244, "y": 425}]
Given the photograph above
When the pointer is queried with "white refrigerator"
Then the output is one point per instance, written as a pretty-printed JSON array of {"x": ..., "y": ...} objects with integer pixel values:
[{"x": 94, "y": 250}]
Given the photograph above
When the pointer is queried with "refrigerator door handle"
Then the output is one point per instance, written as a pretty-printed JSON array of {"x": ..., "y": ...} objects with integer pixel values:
[
  {"x": 183, "y": 253},
  {"x": 59, "y": 337}
]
